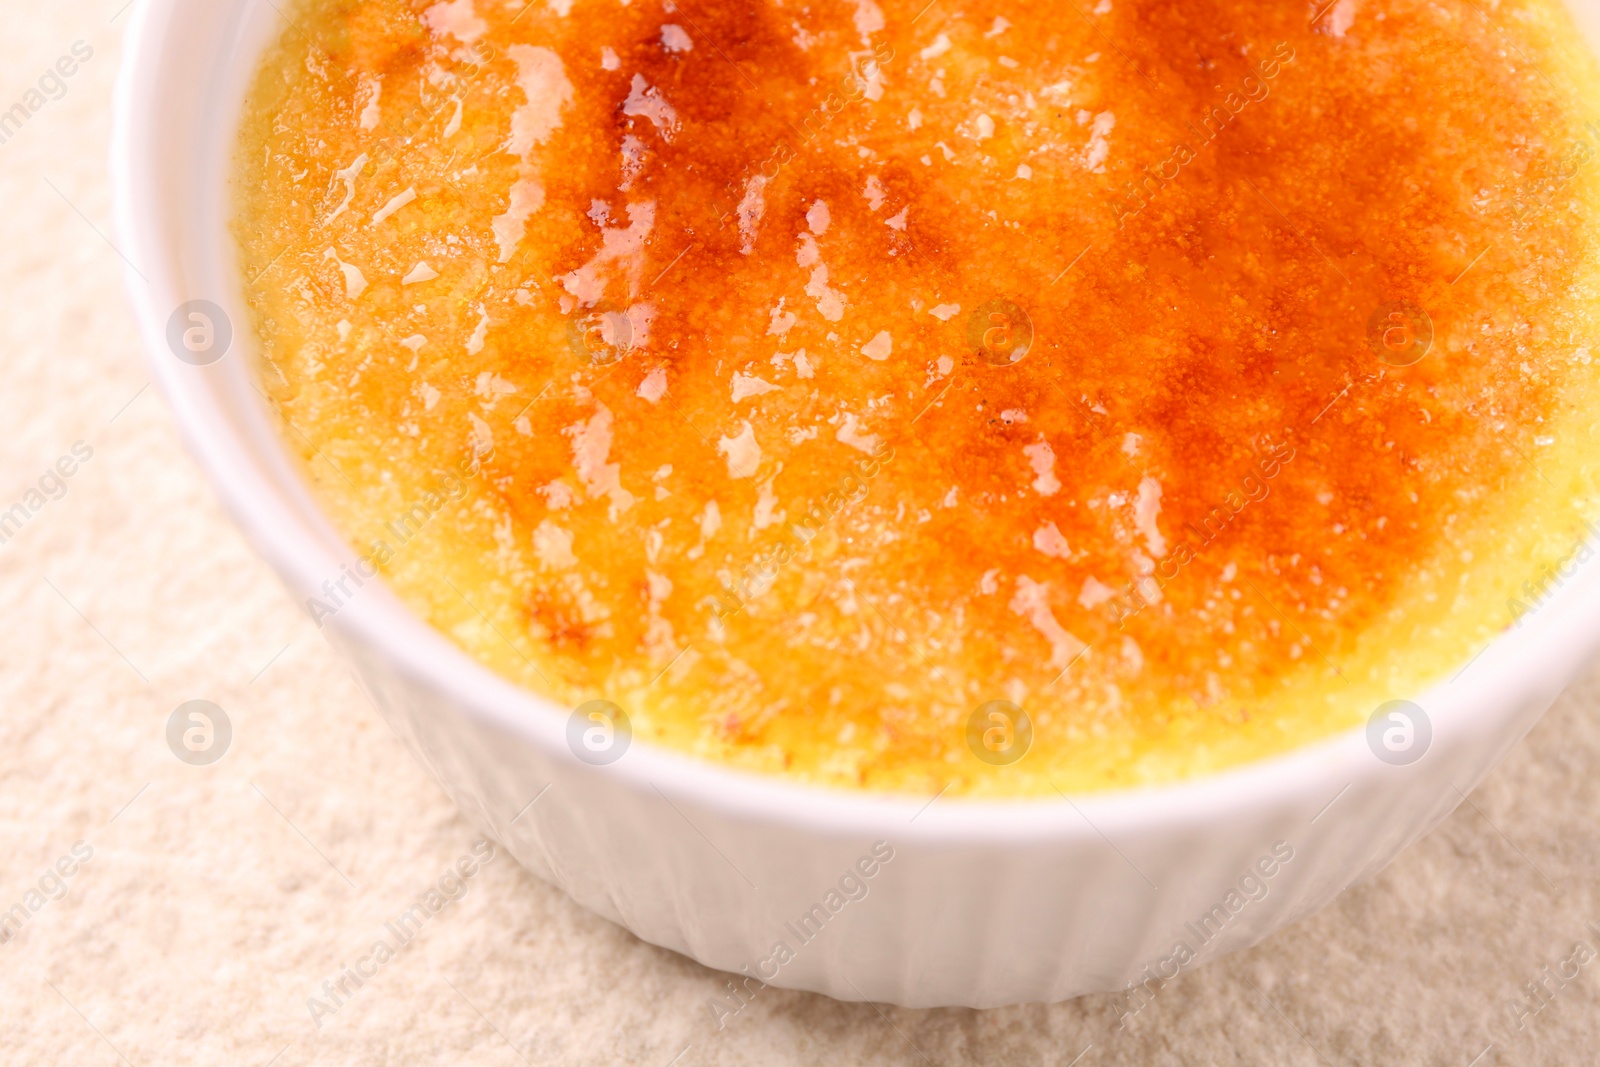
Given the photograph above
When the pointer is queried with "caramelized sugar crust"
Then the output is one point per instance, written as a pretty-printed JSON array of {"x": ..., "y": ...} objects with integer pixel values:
[{"x": 801, "y": 377}]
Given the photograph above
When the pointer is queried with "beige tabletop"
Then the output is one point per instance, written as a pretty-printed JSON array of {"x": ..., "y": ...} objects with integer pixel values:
[{"x": 204, "y": 905}]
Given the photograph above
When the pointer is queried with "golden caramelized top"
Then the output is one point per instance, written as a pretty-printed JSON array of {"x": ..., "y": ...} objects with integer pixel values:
[{"x": 1015, "y": 397}]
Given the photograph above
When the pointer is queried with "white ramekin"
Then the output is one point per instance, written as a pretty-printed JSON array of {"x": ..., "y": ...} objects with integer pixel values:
[{"x": 982, "y": 904}]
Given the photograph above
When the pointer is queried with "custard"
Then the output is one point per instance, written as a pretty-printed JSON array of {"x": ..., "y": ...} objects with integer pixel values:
[{"x": 852, "y": 391}]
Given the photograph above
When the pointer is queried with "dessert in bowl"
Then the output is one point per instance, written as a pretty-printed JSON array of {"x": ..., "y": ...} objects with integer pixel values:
[
  {"x": 865, "y": 406},
  {"x": 826, "y": 376}
]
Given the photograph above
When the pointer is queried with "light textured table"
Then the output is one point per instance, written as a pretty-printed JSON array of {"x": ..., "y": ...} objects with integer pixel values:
[{"x": 218, "y": 899}]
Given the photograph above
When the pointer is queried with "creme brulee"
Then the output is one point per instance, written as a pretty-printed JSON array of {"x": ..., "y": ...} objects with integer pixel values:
[{"x": 1003, "y": 397}]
